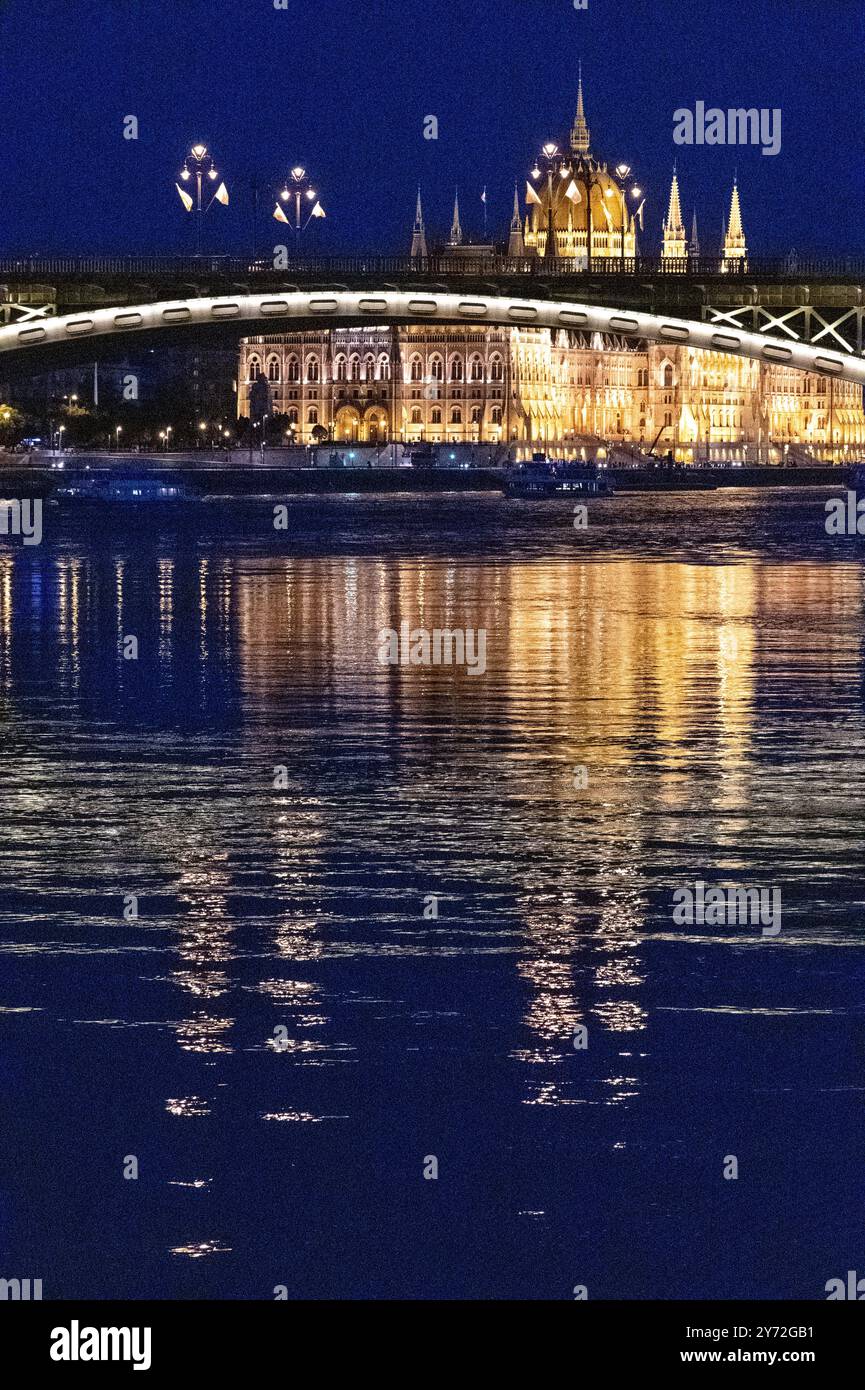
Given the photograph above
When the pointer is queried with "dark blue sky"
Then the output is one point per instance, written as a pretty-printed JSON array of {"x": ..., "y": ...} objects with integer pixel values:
[{"x": 344, "y": 87}]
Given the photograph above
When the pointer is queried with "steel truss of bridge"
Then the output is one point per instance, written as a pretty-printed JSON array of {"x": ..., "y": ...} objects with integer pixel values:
[{"x": 793, "y": 300}]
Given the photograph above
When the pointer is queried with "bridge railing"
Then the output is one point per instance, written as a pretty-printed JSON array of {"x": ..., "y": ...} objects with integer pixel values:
[{"x": 793, "y": 266}]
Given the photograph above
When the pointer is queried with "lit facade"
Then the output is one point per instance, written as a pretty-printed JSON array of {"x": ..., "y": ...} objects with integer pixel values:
[{"x": 524, "y": 387}]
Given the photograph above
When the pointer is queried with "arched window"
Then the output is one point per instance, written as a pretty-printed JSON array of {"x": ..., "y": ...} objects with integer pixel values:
[
  {"x": 436, "y": 368},
  {"x": 292, "y": 416},
  {"x": 312, "y": 369},
  {"x": 477, "y": 414},
  {"x": 496, "y": 368},
  {"x": 354, "y": 368},
  {"x": 254, "y": 369},
  {"x": 416, "y": 372},
  {"x": 456, "y": 416},
  {"x": 369, "y": 368},
  {"x": 339, "y": 369},
  {"x": 293, "y": 369},
  {"x": 667, "y": 378},
  {"x": 476, "y": 369},
  {"x": 312, "y": 416},
  {"x": 384, "y": 367},
  {"x": 436, "y": 415},
  {"x": 496, "y": 415},
  {"x": 457, "y": 369},
  {"x": 416, "y": 415},
  {"x": 273, "y": 369}
]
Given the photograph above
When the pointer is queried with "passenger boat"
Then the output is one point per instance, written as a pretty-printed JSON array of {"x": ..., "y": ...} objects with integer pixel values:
[
  {"x": 130, "y": 489},
  {"x": 550, "y": 478}
]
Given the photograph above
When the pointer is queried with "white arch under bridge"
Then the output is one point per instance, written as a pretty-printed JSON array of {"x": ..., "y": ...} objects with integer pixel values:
[{"x": 302, "y": 309}]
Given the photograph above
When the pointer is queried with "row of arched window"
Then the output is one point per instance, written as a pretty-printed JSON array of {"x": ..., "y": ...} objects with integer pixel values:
[
  {"x": 456, "y": 415},
  {"x": 377, "y": 369},
  {"x": 348, "y": 369},
  {"x": 292, "y": 369},
  {"x": 457, "y": 370}
]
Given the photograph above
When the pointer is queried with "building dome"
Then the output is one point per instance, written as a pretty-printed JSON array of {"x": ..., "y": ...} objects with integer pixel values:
[
  {"x": 569, "y": 184},
  {"x": 572, "y": 211}
]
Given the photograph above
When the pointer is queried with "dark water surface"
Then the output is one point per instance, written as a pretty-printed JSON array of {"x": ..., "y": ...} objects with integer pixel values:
[{"x": 701, "y": 656}]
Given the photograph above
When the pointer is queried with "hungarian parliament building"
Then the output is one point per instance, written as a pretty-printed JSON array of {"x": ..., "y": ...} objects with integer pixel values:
[{"x": 567, "y": 392}]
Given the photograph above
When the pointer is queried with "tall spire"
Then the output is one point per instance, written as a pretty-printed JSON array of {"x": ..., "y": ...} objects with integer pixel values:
[
  {"x": 734, "y": 228},
  {"x": 515, "y": 219},
  {"x": 456, "y": 235},
  {"x": 735, "y": 246},
  {"x": 418, "y": 236},
  {"x": 694, "y": 243},
  {"x": 674, "y": 211},
  {"x": 675, "y": 247},
  {"x": 580, "y": 131},
  {"x": 516, "y": 245}
]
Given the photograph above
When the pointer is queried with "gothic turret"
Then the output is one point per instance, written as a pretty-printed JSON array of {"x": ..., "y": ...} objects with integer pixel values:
[
  {"x": 418, "y": 236},
  {"x": 456, "y": 236},
  {"x": 580, "y": 130},
  {"x": 694, "y": 243},
  {"x": 735, "y": 247},
  {"x": 675, "y": 246},
  {"x": 516, "y": 245}
]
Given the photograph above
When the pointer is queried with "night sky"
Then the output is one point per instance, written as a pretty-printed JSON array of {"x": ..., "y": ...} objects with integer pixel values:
[{"x": 344, "y": 88}]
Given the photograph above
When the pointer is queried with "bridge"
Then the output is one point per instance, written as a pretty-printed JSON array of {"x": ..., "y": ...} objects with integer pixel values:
[{"x": 809, "y": 314}]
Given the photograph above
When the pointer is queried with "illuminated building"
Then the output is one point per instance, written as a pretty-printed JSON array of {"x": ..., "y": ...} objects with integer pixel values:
[{"x": 572, "y": 392}]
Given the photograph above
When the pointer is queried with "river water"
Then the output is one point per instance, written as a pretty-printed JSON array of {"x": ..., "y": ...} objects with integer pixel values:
[{"x": 377, "y": 905}]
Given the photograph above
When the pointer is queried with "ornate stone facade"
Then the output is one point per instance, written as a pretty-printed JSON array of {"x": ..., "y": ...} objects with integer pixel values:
[{"x": 525, "y": 388}]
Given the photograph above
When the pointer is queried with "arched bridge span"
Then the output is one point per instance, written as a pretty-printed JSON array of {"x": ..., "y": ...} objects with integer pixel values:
[{"x": 275, "y": 312}]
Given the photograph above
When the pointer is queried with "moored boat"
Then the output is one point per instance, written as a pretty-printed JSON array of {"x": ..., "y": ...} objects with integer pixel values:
[
  {"x": 130, "y": 489},
  {"x": 555, "y": 478}
]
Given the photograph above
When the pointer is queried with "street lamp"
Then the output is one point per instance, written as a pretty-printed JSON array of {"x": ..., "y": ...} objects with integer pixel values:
[
  {"x": 197, "y": 165},
  {"x": 550, "y": 162},
  {"x": 566, "y": 172},
  {"x": 117, "y": 433},
  {"x": 622, "y": 173},
  {"x": 290, "y": 202}
]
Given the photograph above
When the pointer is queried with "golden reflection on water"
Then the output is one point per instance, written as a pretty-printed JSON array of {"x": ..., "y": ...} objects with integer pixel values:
[
  {"x": 644, "y": 655},
  {"x": 624, "y": 666}
]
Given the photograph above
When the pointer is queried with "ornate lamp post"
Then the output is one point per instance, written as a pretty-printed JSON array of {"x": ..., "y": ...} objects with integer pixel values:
[
  {"x": 576, "y": 169},
  {"x": 290, "y": 203},
  {"x": 551, "y": 163},
  {"x": 197, "y": 166},
  {"x": 622, "y": 173}
]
